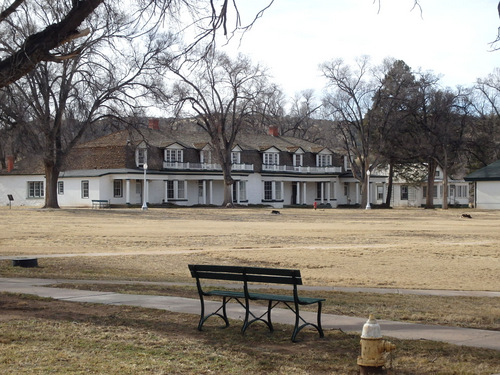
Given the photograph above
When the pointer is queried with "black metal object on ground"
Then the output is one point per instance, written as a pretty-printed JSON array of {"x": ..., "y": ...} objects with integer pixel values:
[{"x": 25, "y": 262}]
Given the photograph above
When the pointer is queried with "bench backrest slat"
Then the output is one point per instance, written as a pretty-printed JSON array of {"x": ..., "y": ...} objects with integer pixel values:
[{"x": 248, "y": 274}]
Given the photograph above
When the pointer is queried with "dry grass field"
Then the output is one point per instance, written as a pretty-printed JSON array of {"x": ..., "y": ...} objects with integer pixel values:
[{"x": 398, "y": 248}]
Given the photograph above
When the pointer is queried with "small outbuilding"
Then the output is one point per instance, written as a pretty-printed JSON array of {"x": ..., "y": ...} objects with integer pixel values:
[{"x": 486, "y": 186}]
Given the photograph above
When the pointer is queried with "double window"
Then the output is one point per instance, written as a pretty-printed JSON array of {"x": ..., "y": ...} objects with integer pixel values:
[
  {"x": 273, "y": 191},
  {"x": 271, "y": 158},
  {"x": 324, "y": 160},
  {"x": 173, "y": 155},
  {"x": 176, "y": 189},
  {"x": 240, "y": 191},
  {"x": 35, "y": 189}
]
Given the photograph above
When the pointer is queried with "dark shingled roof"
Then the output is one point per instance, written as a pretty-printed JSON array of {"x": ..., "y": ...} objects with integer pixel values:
[
  {"x": 489, "y": 173},
  {"x": 114, "y": 151}
]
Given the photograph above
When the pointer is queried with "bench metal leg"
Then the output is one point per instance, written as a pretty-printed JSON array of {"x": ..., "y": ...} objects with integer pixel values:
[
  {"x": 268, "y": 322},
  {"x": 298, "y": 318},
  {"x": 223, "y": 316}
]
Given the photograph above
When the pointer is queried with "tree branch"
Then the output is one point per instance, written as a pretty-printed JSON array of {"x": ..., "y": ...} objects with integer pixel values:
[{"x": 37, "y": 47}]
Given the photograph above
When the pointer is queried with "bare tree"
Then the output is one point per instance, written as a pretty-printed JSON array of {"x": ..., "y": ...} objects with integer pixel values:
[
  {"x": 56, "y": 103},
  {"x": 349, "y": 105},
  {"x": 23, "y": 51},
  {"x": 299, "y": 121},
  {"x": 438, "y": 128},
  {"x": 484, "y": 140},
  {"x": 221, "y": 93}
]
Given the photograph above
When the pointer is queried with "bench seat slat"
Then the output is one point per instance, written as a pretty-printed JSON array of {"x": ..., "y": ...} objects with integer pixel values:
[
  {"x": 284, "y": 298},
  {"x": 225, "y": 293}
]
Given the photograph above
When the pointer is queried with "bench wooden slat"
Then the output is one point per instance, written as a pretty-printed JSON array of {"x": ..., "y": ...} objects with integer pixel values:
[
  {"x": 273, "y": 279},
  {"x": 218, "y": 276}
]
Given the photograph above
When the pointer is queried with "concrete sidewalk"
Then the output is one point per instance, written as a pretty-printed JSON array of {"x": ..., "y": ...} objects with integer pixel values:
[{"x": 406, "y": 331}]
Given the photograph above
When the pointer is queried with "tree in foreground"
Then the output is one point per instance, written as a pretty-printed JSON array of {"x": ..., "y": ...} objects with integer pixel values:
[
  {"x": 55, "y": 104},
  {"x": 22, "y": 52}
]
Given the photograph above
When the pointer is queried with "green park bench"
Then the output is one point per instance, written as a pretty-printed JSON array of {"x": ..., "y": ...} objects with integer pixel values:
[{"x": 246, "y": 275}]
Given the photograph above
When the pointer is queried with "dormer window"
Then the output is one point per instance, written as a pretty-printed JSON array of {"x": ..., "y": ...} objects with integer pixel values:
[
  {"x": 141, "y": 156},
  {"x": 236, "y": 155},
  {"x": 298, "y": 159},
  {"x": 174, "y": 154},
  {"x": 205, "y": 157},
  {"x": 324, "y": 160},
  {"x": 271, "y": 158}
]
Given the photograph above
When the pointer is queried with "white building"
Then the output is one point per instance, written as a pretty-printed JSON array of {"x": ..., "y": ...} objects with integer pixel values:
[
  {"x": 267, "y": 169},
  {"x": 406, "y": 194},
  {"x": 181, "y": 170},
  {"x": 486, "y": 186}
]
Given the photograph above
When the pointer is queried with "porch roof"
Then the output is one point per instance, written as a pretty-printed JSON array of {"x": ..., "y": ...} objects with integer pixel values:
[{"x": 489, "y": 173}]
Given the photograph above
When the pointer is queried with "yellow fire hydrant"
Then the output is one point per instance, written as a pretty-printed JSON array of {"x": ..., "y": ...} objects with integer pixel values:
[{"x": 373, "y": 348}]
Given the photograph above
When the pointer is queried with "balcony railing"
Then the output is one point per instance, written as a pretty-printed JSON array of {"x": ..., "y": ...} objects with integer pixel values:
[
  {"x": 296, "y": 169},
  {"x": 205, "y": 166},
  {"x": 250, "y": 167}
]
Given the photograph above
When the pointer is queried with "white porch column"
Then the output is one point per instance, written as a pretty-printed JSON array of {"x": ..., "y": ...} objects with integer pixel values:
[
  {"x": 304, "y": 193},
  {"x": 146, "y": 191},
  {"x": 127, "y": 191},
  {"x": 165, "y": 198},
  {"x": 357, "y": 192},
  {"x": 282, "y": 183},
  {"x": 322, "y": 192},
  {"x": 297, "y": 195},
  {"x": 204, "y": 192},
  {"x": 211, "y": 185},
  {"x": 328, "y": 190},
  {"x": 237, "y": 192}
]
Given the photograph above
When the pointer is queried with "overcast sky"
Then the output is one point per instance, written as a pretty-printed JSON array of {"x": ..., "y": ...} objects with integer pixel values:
[{"x": 450, "y": 37}]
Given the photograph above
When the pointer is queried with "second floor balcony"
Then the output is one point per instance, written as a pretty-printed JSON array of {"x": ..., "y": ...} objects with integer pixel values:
[
  {"x": 205, "y": 166},
  {"x": 300, "y": 169}
]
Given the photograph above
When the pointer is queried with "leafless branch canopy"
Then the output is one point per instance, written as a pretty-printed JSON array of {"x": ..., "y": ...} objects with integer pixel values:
[{"x": 151, "y": 15}]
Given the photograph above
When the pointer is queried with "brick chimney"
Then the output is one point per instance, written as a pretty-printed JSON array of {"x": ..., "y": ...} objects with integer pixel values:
[
  {"x": 10, "y": 163},
  {"x": 154, "y": 124},
  {"x": 273, "y": 130}
]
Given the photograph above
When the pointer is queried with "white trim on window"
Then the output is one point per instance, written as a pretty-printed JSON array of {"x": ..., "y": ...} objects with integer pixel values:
[
  {"x": 60, "y": 187},
  {"x": 36, "y": 189},
  {"x": 85, "y": 186},
  {"x": 141, "y": 156}
]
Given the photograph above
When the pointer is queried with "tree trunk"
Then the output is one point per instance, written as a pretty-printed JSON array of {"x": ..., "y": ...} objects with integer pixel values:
[
  {"x": 364, "y": 192},
  {"x": 445, "y": 181},
  {"x": 228, "y": 184},
  {"x": 429, "y": 202},
  {"x": 51, "y": 177},
  {"x": 388, "y": 198}
]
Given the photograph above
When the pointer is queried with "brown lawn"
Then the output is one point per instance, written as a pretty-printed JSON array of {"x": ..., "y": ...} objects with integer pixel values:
[{"x": 398, "y": 248}]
